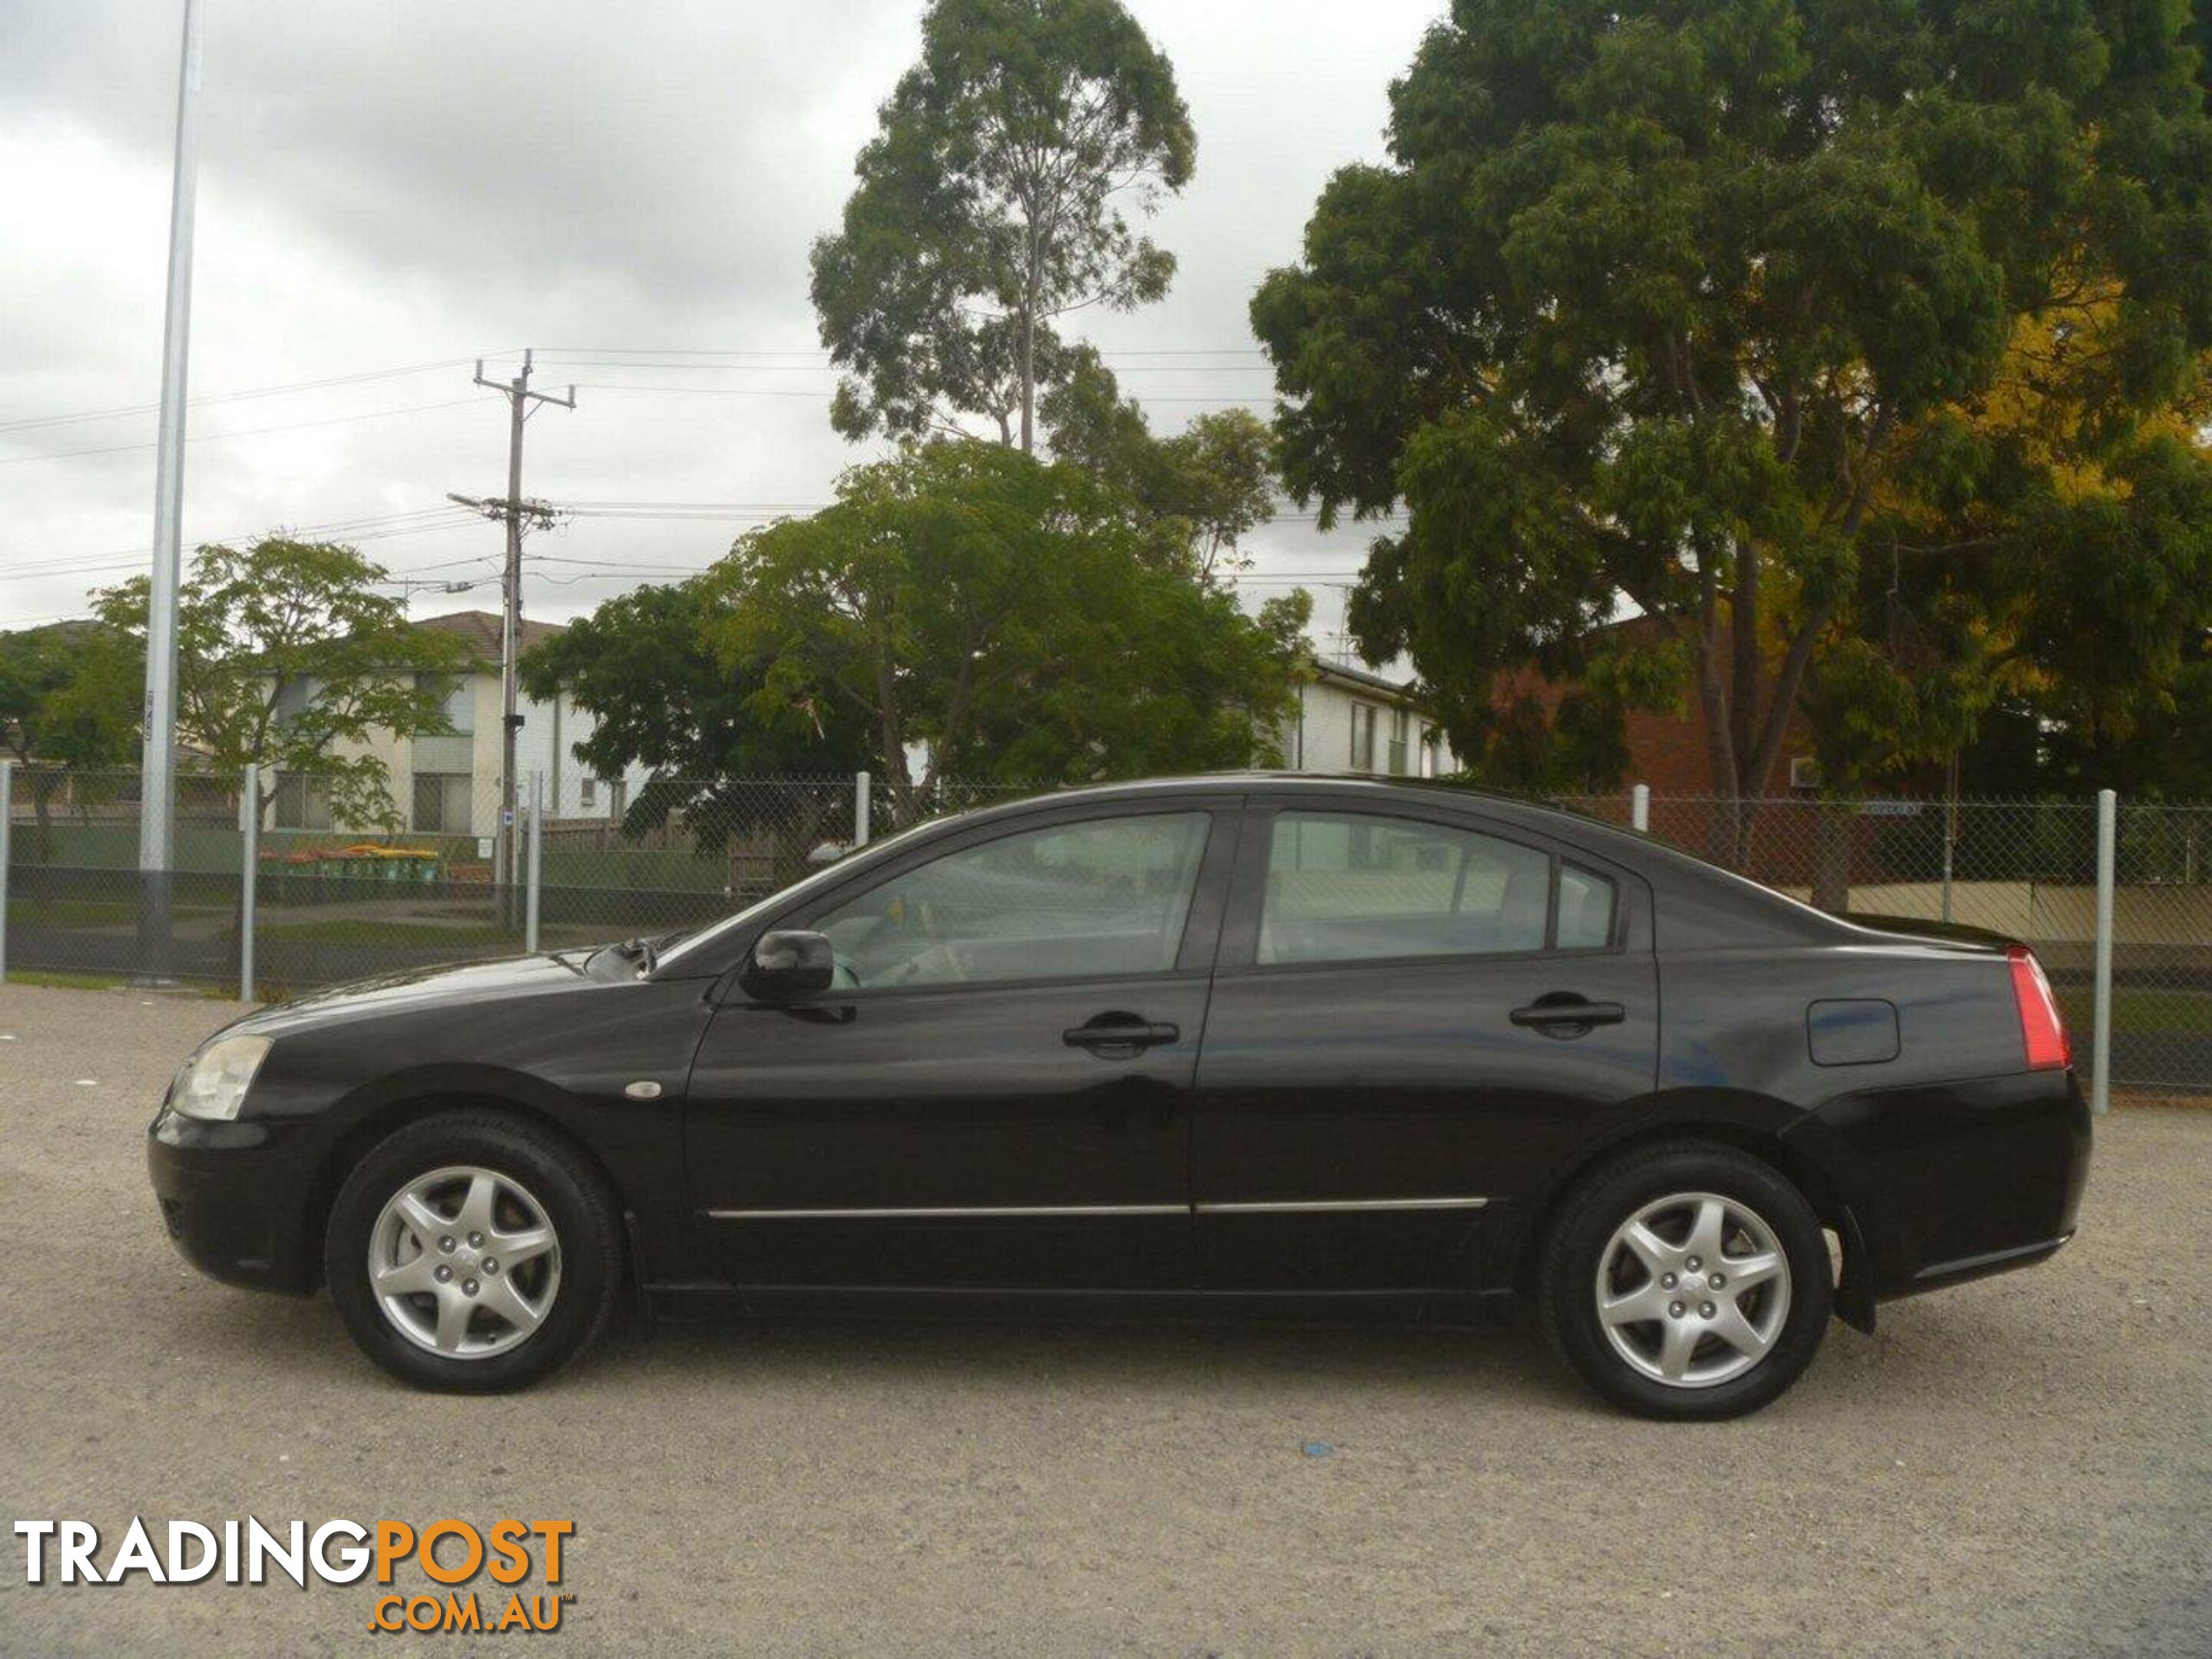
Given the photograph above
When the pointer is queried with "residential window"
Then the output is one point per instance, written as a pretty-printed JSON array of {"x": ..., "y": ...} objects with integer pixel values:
[
  {"x": 1347, "y": 887},
  {"x": 456, "y": 699},
  {"x": 1108, "y": 896},
  {"x": 442, "y": 801},
  {"x": 301, "y": 803},
  {"x": 589, "y": 795},
  {"x": 1401, "y": 721},
  {"x": 1362, "y": 737}
]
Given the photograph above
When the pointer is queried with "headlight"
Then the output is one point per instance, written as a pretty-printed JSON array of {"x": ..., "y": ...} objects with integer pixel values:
[{"x": 213, "y": 1082}]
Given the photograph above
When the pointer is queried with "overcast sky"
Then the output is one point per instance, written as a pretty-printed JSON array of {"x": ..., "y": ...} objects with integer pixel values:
[{"x": 630, "y": 189}]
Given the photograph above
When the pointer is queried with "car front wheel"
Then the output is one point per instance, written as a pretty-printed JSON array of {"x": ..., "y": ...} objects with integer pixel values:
[
  {"x": 1687, "y": 1280},
  {"x": 472, "y": 1253}
]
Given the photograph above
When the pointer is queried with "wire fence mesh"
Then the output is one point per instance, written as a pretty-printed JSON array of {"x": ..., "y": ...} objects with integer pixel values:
[{"x": 437, "y": 874}]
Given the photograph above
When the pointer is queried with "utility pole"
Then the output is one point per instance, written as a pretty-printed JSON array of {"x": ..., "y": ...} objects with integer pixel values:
[
  {"x": 513, "y": 510},
  {"x": 157, "y": 834}
]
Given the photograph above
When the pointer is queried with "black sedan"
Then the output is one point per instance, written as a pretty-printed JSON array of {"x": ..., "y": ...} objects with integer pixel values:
[{"x": 1275, "y": 1045}]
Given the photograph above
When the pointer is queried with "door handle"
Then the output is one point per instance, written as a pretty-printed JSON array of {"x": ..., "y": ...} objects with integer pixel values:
[
  {"x": 1564, "y": 1014},
  {"x": 1117, "y": 1035}
]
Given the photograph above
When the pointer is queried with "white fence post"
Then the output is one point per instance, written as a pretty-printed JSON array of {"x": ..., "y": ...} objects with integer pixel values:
[
  {"x": 7, "y": 816},
  {"x": 1639, "y": 809},
  {"x": 537, "y": 862},
  {"x": 2100, "y": 1051},
  {"x": 860, "y": 784},
  {"x": 249, "y": 869}
]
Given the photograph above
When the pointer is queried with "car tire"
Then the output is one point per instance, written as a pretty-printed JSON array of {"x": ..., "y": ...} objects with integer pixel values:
[
  {"x": 411, "y": 1254},
  {"x": 1631, "y": 1296}
]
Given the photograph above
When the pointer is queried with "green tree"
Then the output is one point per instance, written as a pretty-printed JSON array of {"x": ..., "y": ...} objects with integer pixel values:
[
  {"x": 289, "y": 659},
  {"x": 1197, "y": 494},
  {"x": 996, "y": 198},
  {"x": 69, "y": 702},
  {"x": 1650, "y": 296},
  {"x": 1001, "y": 613},
  {"x": 646, "y": 666}
]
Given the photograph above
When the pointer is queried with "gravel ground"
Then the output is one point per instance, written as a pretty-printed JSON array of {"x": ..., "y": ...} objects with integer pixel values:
[{"x": 2017, "y": 1466}]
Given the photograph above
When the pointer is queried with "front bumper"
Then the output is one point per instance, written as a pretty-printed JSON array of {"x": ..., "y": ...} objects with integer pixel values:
[{"x": 233, "y": 1198}]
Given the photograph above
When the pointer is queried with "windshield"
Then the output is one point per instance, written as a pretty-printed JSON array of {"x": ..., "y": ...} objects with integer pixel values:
[{"x": 704, "y": 940}]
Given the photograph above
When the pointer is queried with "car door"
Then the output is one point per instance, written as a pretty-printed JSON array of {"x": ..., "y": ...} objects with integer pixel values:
[
  {"x": 1413, "y": 1013},
  {"x": 996, "y": 1092}
]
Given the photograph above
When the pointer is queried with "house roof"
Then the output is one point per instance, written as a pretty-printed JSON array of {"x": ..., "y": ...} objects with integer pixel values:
[
  {"x": 1367, "y": 680},
  {"x": 480, "y": 631}
]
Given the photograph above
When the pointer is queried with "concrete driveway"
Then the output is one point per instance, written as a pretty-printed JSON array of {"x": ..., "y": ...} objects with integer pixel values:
[{"x": 2022, "y": 1465}]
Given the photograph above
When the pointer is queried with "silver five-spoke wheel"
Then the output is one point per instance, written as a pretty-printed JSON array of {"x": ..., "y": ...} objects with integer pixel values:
[
  {"x": 464, "y": 1262},
  {"x": 1694, "y": 1289}
]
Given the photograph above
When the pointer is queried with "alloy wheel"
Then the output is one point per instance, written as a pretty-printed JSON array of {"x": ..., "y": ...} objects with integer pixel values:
[
  {"x": 464, "y": 1262},
  {"x": 1693, "y": 1290}
]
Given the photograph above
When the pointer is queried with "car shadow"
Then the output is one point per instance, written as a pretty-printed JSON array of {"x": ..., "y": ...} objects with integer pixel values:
[{"x": 1951, "y": 1345}]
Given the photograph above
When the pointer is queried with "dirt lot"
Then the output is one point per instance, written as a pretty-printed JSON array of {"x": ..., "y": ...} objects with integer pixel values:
[{"x": 2022, "y": 1465}]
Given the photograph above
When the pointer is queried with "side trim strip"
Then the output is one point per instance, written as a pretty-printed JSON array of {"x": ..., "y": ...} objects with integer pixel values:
[
  {"x": 957, "y": 1213},
  {"x": 1272, "y": 1207},
  {"x": 954, "y": 1212}
]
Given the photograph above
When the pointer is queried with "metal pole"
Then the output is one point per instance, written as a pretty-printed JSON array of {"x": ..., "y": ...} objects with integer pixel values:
[
  {"x": 536, "y": 861},
  {"x": 2101, "y": 1052},
  {"x": 510, "y": 636},
  {"x": 1639, "y": 809},
  {"x": 1950, "y": 827},
  {"x": 157, "y": 836},
  {"x": 249, "y": 866},
  {"x": 7, "y": 817},
  {"x": 861, "y": 782}
]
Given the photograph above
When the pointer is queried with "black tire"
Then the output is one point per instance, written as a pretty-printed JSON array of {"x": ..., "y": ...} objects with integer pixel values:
[
  {"x": 1576, "y": 1249},
  {"x": 575, "y": 1201}
]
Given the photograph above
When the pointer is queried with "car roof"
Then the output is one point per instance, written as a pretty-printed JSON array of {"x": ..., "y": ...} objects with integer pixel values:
[{"x": 1356, "y": 785}]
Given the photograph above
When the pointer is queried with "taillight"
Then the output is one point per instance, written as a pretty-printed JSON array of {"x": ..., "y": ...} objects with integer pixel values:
[{"x": 2040, "y": 1021}]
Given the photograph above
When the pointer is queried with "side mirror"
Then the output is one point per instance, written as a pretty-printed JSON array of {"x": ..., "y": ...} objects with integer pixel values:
[{"x": 790, "y": 963}]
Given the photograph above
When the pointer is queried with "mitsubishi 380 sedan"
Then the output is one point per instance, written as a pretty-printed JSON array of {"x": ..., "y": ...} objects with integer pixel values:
[{"x": 1284, "y": 1046}]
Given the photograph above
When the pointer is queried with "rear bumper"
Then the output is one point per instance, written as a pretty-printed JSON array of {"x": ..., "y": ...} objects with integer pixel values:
[
  {"x": 1956, "y": 1180},
  {"x": 232, "y": 1196}
]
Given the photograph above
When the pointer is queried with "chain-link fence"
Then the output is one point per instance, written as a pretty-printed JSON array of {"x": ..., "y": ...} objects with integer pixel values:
[{"x": 344, "y": 889}]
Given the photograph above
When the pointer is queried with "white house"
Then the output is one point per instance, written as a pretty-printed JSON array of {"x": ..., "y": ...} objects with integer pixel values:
[
  {"x": 1351, "y": 720},
  {"x": 450, "y": 784}
]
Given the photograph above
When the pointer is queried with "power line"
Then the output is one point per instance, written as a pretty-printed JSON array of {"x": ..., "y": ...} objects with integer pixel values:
[
  {"x": 28, "y": 422},
  {"x": 248, "y": 431}
]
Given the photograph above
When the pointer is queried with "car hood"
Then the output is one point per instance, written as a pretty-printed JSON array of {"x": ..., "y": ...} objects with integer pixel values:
[{"x": 449, "y": 986}]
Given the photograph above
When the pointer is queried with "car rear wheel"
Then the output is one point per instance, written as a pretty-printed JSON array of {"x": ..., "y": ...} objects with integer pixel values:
[
  {"x": 472, "y": 1253},
  {"x": 1688, "y": 1280}
]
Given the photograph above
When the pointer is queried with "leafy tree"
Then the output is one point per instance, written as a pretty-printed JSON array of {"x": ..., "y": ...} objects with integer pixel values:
[
  {"x": 1001, "y": 613},
  {"x": 1198, "y": 493},
  {"x": 1656, "y": 302},
  {"x": 69, "y": 699},
  {"x": 992, "y": 201},
  {"x": 645, "y": 665},
  {"x": 287, "y": 656}
]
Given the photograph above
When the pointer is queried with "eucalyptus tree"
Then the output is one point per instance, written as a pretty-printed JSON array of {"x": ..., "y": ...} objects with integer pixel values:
[{"x": 1001, "y": 192}]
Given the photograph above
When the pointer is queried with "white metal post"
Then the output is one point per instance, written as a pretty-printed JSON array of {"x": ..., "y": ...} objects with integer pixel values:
[
  {"x": 2100, "y": 1051},
  {"x": 1639, "y": 809},
  {"x": 536, "y": 861},
  {"x": 249, "y": 868},
  {"x": 157, "y": 834},
  {"x": 861, "y": 782},
  {"x": 7, "y": 815}
]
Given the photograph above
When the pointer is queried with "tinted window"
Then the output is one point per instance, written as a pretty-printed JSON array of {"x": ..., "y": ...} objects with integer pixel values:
[
  {"x": 1344, "y": 886},
  {"x": 1586, "y": 904},
  {"x": 1106, "y": 897}
]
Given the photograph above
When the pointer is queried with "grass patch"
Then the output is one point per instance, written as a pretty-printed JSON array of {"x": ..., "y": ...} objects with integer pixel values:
[
  {"x": 94, "y": 913},
  {"x": 364, "y": 930},
  {"x": 2139, "y": 1010},
  {"x": 55, "y": 982}
]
